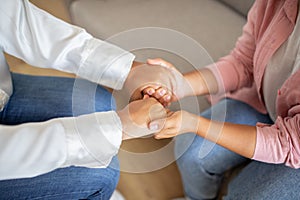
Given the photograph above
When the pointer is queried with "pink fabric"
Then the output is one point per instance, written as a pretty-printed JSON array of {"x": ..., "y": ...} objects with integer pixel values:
[{"x": 270, "y": 22}]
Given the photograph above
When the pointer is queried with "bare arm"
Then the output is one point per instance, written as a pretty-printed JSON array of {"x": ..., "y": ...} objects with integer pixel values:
[
  {"x": 202, "y": 81},
  {"x": 196, "y": 82},
  {"x": 240, "y": 139}
]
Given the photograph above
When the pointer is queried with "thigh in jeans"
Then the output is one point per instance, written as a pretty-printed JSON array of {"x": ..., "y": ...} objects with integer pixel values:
[
  {"x": 265, "y": 181},
  {"x": 38, "y": 99},
  {"x": 202, "y": 164}
]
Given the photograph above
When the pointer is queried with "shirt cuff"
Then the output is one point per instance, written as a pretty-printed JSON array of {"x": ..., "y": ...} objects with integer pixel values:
[
  {"x": 269, "y": 148},
  {"x": 3, "y": 99},
  {"x": 105, "y": 63},
  {"x": 260, "y": 148},
  {"x": 93, "y": 139}
]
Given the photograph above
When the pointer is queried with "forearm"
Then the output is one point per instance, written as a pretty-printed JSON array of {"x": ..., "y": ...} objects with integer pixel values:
[
  {"x": 240, "y": 139},
  {"x": 202, "y": 82}
]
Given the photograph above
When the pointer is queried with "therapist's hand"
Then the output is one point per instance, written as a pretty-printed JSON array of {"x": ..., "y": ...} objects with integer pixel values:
[{"x": 137, "y": 115}]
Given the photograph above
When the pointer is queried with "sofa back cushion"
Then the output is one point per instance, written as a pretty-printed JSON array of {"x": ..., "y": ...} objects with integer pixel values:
[{"x": 241, "y": 6}]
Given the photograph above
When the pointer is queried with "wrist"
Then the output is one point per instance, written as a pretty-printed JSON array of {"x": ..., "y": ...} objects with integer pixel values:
[
  {"x": 195, "y": 119},
  {"x": 190, "y": 122},
  {"x": 200, "y": 128},
  {"x": 122, "y": 117},
  {"x": 136, "y": 63},
  {"x": 202, "y": 82},
  {"x": 194, "y": 83}
]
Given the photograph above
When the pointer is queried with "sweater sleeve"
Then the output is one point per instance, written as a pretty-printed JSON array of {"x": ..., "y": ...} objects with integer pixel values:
[
  {"x": 279, "y": 143},
  {"x": 235, "y": 70}
]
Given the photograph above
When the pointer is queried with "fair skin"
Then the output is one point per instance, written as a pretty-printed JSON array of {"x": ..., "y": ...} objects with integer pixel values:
[
  {"x": 202, "y": 83},
  {"x": 137, "y": 115}
]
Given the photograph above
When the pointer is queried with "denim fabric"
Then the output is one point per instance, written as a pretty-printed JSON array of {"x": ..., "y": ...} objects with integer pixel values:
[
  {"x": 265, "y": 182},
  {"x": 202, "y": 176},
  {"x": 38, "y": 99}
]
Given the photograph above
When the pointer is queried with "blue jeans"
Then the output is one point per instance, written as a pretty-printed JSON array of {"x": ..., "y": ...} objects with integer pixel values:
[
  {"x": 202, "y": 176},
  {"x": 38, "y": 99}
]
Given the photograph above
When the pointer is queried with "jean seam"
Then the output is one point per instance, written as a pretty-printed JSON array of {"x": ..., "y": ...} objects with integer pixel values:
[
  {"x": 100, "y": 194},
  {"x": 53, "y": 195}
]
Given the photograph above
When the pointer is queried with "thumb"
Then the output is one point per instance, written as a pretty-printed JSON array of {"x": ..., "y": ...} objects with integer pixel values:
[
  {"x": 137, "y": 95},
  {"x": 161, "y": 62},
  {"x": 157, "y": 125},
  {"x": 155, "y": 61}
]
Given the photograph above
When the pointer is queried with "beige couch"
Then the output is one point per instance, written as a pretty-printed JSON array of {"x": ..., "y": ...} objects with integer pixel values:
[{"x": 214, "y": 25}]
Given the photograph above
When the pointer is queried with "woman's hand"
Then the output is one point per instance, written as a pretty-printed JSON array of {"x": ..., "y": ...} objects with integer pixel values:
[
  {"x": 197, "y": 82},
  {"x": 176, "y": 123},
  {"x": 163, "y": 95},
  {"x": 162, "y": 82},
  {"x": 238, "y": 138},
  {"x": 136, "y": 117}
]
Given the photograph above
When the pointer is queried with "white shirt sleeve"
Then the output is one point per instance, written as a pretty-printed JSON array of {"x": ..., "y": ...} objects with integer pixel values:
[
  {"x": 42, "y": 40},
  {"x": 90, "y": 140},
  {"x": 32, "y": 149}
]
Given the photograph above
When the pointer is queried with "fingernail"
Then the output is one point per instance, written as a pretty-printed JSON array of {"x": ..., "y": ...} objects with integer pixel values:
[
  {"x": 151, "y": 91},
  {"x": 167, "y": 98},
  {"x": 153, "y": 127},
  {"x": 162, "y": 92},
  {"x": 163, "y": 64}
]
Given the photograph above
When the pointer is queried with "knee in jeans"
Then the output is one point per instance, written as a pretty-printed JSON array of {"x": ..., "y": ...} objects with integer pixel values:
[
  {"x": 104, "y": 185},
  {"x": 190, "y": 165},
  {"x": 104, "y": 180},
  {"x": 112, "y": 180}
]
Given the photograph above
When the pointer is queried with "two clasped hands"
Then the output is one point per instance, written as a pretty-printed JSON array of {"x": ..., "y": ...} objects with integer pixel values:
[{"x": 152, "y": 87}]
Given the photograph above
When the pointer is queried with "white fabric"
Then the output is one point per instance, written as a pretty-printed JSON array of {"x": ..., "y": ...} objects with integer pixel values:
[
  {"x": 284, "y": 63},
  {"x": 42, "y": 40},
  {"x": 117, "y": 196}
]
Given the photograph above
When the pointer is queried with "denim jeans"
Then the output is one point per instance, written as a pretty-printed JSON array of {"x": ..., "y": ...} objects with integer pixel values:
[
  {"x": 202, "y": 176},
  {"x": 38, "y": 99}
]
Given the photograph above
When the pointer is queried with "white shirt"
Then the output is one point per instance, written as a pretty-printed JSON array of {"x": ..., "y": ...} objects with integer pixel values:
[{"x": 42, "y": 40}]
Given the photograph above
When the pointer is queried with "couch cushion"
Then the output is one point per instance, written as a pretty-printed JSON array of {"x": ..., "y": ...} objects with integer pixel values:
[
  {"x": 240, "y": 6},
  {"x": 211, "y": 23}
]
